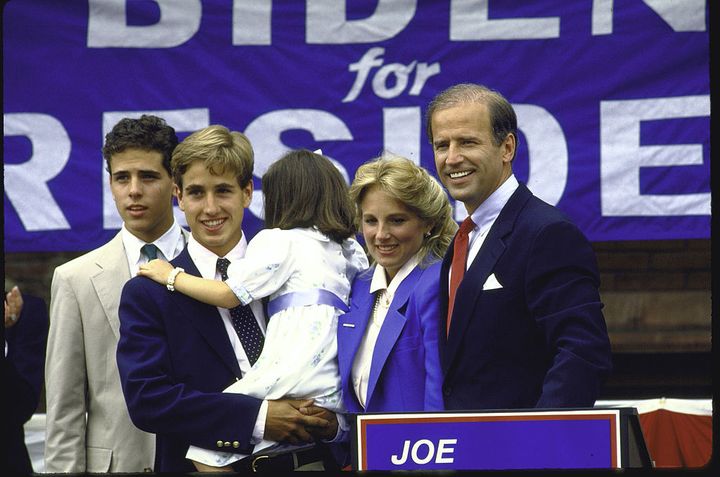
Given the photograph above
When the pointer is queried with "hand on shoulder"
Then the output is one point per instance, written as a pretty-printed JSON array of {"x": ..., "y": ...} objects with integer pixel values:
[{"x": 157, "y": 270}]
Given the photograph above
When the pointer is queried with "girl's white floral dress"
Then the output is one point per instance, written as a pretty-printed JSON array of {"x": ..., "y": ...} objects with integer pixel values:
[{"x": 299, "y": 357}]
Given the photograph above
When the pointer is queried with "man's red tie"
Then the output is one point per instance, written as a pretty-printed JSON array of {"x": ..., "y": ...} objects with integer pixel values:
[{"x": 460, "y": 253}]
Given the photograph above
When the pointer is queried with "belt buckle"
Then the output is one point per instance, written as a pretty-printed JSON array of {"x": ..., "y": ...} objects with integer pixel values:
[{"x": 254, "y": 461}]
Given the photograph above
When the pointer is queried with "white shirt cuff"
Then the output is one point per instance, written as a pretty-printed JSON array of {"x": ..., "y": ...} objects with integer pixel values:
[
  {"x": 211, "y": 457},
  {"x": 259, "y": 430}
]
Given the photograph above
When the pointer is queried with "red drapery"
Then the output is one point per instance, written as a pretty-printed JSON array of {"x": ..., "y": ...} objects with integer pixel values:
[{"x": 678, "y": 432}]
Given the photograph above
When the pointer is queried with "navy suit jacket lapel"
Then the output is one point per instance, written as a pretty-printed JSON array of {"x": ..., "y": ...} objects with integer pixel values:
[
  {"x": 390, "y": 331},
  {"x": 205, "y": 318},
  {"x": 482, "y": 266}
]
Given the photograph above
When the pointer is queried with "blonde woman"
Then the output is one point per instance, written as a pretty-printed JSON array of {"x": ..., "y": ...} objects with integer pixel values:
[{"x": 388, "y": 340}]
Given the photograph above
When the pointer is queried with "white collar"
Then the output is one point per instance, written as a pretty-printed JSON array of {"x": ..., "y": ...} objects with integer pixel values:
[
  {"x": 379, "y": 279},
  {"x": 168, "y": 243},
  {"x": 206, "y": 261},
  {"x": 488, "y": 211}
]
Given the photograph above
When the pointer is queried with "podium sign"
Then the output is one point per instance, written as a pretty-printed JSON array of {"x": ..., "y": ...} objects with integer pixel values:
[{"x": 542, "y": 439}]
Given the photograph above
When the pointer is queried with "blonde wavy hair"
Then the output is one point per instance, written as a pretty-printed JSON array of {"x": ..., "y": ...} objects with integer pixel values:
[
  {"x": 220, "y": 149},
  {"x": 412, "y": 185}
]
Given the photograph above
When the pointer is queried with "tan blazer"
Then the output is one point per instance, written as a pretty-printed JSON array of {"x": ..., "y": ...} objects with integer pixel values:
[{"x": 81, "y": 376}]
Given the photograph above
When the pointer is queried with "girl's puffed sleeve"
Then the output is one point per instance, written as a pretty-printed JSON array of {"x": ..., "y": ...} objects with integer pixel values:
[
  {"x": 267, "y": 265},
  {"x": 355, "y": 256}
]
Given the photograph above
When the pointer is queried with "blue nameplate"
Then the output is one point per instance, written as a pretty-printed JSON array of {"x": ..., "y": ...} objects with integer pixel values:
[{"x": 576, "y": 439}]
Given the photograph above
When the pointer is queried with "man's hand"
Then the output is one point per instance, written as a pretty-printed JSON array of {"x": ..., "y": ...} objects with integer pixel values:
[
  {"x": 13, "y": 306},
  {"x": 286, "y": 423},
  {"x": 326, "y": 433}
]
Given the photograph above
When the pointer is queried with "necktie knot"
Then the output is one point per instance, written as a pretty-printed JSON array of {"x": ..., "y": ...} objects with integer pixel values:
[
  {"x": 150, "y": 251},
  {"x": 222, "y": 267},
  {"x": 466, "y": 226}
]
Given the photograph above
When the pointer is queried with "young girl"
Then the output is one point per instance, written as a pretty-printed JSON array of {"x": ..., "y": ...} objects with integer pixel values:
[{"x": 304, "y": 262}]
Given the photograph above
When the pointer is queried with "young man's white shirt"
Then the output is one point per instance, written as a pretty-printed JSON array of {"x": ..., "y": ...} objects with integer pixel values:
[{"x": 206, "y": 263}]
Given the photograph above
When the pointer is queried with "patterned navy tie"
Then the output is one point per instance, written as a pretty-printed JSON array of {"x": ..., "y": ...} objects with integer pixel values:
[
  {"x": 244, "y": 322},
  {"x": 150, "y": 251}
]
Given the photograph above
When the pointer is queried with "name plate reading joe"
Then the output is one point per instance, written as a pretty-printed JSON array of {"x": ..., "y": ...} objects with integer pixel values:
[{"x": 577, "y": 439}]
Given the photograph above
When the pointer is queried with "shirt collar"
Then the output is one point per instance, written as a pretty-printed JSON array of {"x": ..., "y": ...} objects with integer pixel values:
[
  {"x": 169, "y": 243},
  {"x": 206, "y": 261},
  {"x": 379, "y": 279},
  {"x": 485, "y": 215}
]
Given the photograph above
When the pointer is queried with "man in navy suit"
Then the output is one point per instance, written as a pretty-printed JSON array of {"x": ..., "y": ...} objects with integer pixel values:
[
  {"x": 175, "y": 354},
  {"x": 26, "y": 330},
  {"x": 524, "y": 323}
]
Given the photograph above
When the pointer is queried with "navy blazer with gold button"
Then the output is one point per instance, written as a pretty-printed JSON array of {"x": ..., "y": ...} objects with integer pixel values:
[{"x": 175, "y": 359}]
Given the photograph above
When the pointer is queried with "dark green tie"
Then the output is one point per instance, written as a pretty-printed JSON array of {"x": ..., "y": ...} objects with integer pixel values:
[{"x": 150, "y": 251}]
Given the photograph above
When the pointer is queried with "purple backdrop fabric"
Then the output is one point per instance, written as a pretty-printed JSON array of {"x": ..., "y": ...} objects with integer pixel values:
[{"x": 613, "y": 98}]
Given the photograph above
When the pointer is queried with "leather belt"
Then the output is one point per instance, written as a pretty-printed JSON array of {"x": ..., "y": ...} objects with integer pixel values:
[{"x": 282, "y": 461}]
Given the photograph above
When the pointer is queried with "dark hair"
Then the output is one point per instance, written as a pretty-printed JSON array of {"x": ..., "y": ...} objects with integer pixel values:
[
  {"x": 503, "y": 119},
  {"x": 304, "y": 189},
  {"x": 149, "y": 133}
]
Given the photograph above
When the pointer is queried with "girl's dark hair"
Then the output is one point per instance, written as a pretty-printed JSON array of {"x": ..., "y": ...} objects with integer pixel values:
[{"x": 304, "y": 189}]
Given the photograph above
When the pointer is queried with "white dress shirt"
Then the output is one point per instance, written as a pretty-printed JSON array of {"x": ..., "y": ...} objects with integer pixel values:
[
  {"x": 206, "y": 263},
  {"x": 169, "y": 245},
  {"x": 484, "y": 217}
]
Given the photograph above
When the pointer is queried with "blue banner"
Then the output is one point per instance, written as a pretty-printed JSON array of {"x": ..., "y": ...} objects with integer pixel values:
[{"x": 613, "y": 98}]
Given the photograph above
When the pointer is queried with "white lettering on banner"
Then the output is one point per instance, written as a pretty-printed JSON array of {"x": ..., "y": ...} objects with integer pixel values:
[
  {"x": 396, "y": 70},
  {"x": 400, "y": 72},
  {"x": 252, "y": 22},
  {"x": 401, "y": 132},
  {"x": 547, "y": 152},
  {"x": 687, "y": 15},
  {"x": 182, "y": 120},
  {"x": 602, "y": 17},
  {"x": 108, "y": 28},
  {"x": 469, "y": 20},
  {"x": 26, "y": 183},
  {"x": 264, "y": 133},
  {"x": 427, "y": 447},
  {"x": 327, "y": 22},
  {"x": 622, "y": 157}
]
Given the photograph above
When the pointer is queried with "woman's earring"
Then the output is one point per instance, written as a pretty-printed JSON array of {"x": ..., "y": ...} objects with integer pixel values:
[{"x": 427, "y": 234}]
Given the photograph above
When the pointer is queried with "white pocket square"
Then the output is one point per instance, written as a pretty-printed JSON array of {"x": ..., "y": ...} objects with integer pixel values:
[{"x": 492, "y": 283}]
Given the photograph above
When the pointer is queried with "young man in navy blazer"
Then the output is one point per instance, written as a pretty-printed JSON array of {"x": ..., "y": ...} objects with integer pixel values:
[
  {"x": 176, "y": 355},
  {"x": 526, "y": 328}
]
